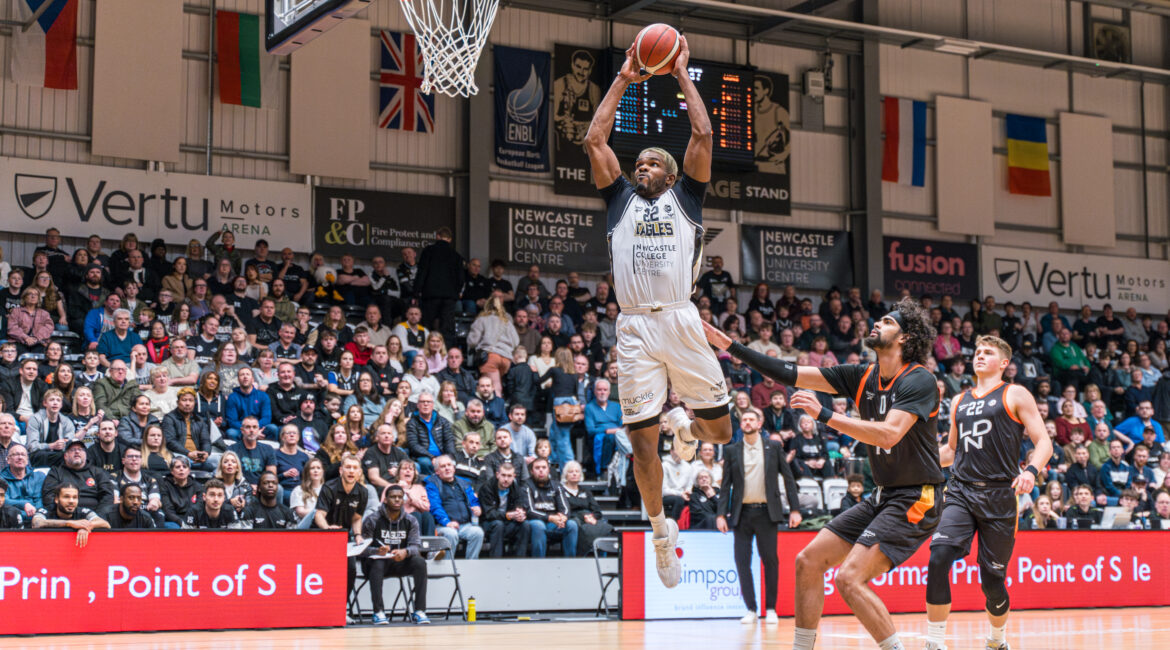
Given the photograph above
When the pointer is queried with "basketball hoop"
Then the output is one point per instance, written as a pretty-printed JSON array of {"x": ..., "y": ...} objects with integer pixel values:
[{"x": 451, "y": 35}]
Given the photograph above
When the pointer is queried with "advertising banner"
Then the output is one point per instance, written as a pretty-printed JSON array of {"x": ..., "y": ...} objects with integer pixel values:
[
  {"x": 576, "y": 92},
  {"x": 124, "y": 581},
  {"x": 112, "y": 201},
  {"x": 556, "y": 238},
  {"x": 364, "y": 223},
  {"x": 521, "y": 91},
  {"x": 931, "y": 267},
  {"x": 809, "y": 259},
  {"x": 710, "y": 584},
  {"x": 1072, "y": 280},
  {"x": 1087, "y": 568}
]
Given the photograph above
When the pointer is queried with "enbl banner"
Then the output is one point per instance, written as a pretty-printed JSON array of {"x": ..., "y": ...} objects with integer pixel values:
[
  {"x": 810, "y": 259},
  {"x": 1087, "y": 568},
  {"x": 134, "y": 581},
  {"x": 521, "y": 88}
]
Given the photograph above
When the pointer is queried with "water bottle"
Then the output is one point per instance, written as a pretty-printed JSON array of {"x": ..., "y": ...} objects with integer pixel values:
[{"x": 471, "y": 609}]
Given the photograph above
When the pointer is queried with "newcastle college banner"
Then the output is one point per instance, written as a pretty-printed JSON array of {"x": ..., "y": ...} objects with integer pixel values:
[
  {"x": 934, "y": 267},
  {"x": 521, "y": 86},
  {"x": 556, "y": 238},
  {"x": 576, "y": 93},
  {"x": 364, "y": 223},
  {"x": 809, "y": 259}
]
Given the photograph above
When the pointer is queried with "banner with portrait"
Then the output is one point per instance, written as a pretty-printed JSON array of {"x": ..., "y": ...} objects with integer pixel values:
[{"x": 577, "y": 91}]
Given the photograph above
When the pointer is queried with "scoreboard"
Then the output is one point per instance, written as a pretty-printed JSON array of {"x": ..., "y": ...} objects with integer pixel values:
[{"x": 654, "y": 114}]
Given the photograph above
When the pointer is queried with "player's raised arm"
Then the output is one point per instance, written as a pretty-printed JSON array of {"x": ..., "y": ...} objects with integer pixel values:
[
  {"x": 1019, "y": 401},
  {"x": 601, "y": 157},
  {"x": 697, "y": 163},
  {"x": 785, "y": 372}
]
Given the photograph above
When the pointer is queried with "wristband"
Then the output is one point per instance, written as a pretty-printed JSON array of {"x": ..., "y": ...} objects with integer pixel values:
[
  {"x": 825, "y": 415},
  {"x": 1035, "y": 472}
]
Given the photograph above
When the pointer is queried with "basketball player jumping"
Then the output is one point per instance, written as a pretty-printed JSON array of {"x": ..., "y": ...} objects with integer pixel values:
[
  {"x": 898, "y": 401},
  {"x": 655, "y": 231},
  {"x": 988, "y": 424}
]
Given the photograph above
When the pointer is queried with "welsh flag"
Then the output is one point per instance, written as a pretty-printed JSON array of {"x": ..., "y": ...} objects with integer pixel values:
[{"x": 246, "y": 72}]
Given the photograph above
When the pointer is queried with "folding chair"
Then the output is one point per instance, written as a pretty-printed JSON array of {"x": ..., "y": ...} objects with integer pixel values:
[
  {"x": 443, "y": 569},
  {"x": 835, "y": 491},
  {"x": 405, "y": 594},
  {"x": 811, "y": 494},
  {"x": 605, "y": 578}
]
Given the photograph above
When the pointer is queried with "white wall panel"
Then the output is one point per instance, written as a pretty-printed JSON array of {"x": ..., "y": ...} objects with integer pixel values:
[
  {"x": 1146, "y": 35},
  {"x": 819, "y": 170},
  {"x": 921, "y": 74},
  {"x": 1037, "y": 24},
  {"x": 1019, "y": 88},
  {"x": 1116, "y": 99},
  {"x": 934, "y": 16},
  {"x": 1127, "y": 201}
]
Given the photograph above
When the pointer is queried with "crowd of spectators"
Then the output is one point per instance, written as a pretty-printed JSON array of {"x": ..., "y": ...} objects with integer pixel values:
[{"x": 231, "y": 388}]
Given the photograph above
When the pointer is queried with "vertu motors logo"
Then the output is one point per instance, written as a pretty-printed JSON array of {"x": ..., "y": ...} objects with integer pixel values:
[
  {"x": 35, "y": 194},
  {"x": 1007, "y": 273}
]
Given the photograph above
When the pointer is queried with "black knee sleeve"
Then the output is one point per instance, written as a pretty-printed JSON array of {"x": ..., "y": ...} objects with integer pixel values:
[
  {"x": 938, "y": 579},
  {"x": 996, "y": 593}
]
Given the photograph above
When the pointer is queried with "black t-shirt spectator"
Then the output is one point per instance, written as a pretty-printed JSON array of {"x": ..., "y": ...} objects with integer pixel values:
[
  {"x": 253, "y": 461},
  {"x": 203, "y": 349},
  {"x": 807, "y": 448},
  {"x": 501, "y": 285},
  {"x": 262, "y": 267},
  {"x": 111, "y": 463},
  {"x": 375, "y": 458},
  {"x": 1110, "y": 324},
  {"x": 718, "y": 287},
  {"x": 285, "y": 402},
  {"x": 339, "y": 506},
  {"x": 11, "y": 518},
  {"x": 476, "y": 287},
  {"x": 113, "y": 515},
  {"x": 266, "y": 333},
  {"x": 200, "y": 519},
  {"x": 259, "y": 516},
  {"x": 79, "y": 513},
  {"x": 292, "y": 278}
]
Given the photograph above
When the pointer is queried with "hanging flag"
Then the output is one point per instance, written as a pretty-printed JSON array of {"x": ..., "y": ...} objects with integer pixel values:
[
  {"x": 246, "y": 72},
  {"x": 1027, "y": 145},
  {"x": 46, "y": 53},
  {"x": 522, "y": 108},
  {"x": 904, "y": 154},
  {"x": 404, "y": 105}
]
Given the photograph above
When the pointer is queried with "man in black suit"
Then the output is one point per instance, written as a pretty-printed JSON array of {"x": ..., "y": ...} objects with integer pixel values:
[{"x": 750, "y": 499}]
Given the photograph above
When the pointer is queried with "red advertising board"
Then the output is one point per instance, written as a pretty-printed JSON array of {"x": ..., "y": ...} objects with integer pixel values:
[
  {"x": 1049, "y": 569},
  {"x": 174, "y": 580}
]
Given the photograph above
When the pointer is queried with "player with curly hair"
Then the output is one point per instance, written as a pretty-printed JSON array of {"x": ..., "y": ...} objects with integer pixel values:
[{"x": 898, "y": 401}]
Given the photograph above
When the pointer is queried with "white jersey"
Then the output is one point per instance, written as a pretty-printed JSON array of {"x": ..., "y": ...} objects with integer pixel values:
[{"x": 655, "y": 245}]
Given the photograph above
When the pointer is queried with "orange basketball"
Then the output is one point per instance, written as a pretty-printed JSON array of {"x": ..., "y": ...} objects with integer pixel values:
[{"x": 656, "y": 48}]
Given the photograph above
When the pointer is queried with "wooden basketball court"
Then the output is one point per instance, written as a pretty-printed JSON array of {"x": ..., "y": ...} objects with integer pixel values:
[{"x": 1034, "y": 630}]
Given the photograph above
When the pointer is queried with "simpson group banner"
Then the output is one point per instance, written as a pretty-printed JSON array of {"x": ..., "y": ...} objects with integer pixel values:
[
  {"x": 364, "y": 223},
  {"x": 1087, "y": 568},
  {"x": 556, "y": 238},
  {"x": 576, "y": 93},
  {"x": 811, "y": 259},
  {"x": 521, "y": 91},
  {"x": 124, "y": 581},
  {"x": 934, "y": 267},
  {"x": 112, "y": 201},
  {"x": 1073, "y": 280}
]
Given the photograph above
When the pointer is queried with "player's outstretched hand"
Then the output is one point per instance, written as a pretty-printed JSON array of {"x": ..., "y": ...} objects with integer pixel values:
[
  {"x": 631, "y": 71},
  {"x": 806, "y": 401},
  {"x": 716, "y": 337},
  {"x": 1024, "y": 482},
  {"x": 683, "y": 57}
]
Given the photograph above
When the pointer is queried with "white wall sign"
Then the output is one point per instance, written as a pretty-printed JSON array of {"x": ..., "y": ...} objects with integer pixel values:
[
  {"x": 81, "y": 200},
  {"x": 710, "y": 585},
  {"x": 1020, "y": 274}
]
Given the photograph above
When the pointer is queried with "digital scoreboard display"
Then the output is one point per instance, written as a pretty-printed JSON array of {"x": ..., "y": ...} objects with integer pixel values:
[{"x": 654, "y": 113}]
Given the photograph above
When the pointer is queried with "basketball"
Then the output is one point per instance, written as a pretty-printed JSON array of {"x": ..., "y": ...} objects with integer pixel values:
[{"x": 656, "y": 48}]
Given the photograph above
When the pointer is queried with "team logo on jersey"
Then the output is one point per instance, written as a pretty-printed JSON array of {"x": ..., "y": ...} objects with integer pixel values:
[
  {"x": 869, "y": 394},
  {"x": 89, "y": 482},
  {"x": 973, "y": 437},
  {"x": 648, "y": 224}
]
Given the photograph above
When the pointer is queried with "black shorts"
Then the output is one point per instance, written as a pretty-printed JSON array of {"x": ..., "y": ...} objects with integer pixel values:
[
  {"x": 990, "y": 511},
  {"x": 898, "y": 519}
]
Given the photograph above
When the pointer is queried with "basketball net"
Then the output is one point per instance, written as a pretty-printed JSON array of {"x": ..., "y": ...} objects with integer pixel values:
[{"x": 451, "y": 35}]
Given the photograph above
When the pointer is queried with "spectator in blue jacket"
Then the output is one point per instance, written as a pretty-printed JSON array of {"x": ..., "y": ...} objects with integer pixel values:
[
  {"x": 1134, "y": 426},
  {"x": 116, "y": 344},
  {"x": 246, "y": 401},
  {"x": 603, "y": 419},
  {"x": 100, "y": 320},
  {"x": 454, "y": 505},
  {"x": 1115, "y": 474},
  {"x": 24, "y": 485}
]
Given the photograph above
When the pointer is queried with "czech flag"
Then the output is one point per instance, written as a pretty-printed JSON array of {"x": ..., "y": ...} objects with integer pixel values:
[
  {"x": 46, "y": 54},
  {"x": 904, "y": 155},
  {"x": 1027, "y": 145}
]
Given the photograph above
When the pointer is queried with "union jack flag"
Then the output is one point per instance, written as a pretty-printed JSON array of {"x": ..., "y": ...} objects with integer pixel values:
[{"x": 404, "y": 106}]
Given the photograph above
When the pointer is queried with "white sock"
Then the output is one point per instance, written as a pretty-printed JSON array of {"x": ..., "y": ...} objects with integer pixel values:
[
  {"x": 658, "y": 523},
  {"x": 998, "y": 633},
  {"x": 803, "y": 639},
  {"x": 936, "y": 632},
  {"x": 892, "y": 643}
]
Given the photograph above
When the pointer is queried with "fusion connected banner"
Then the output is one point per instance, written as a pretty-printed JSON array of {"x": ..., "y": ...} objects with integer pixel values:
[
  {"x": 173, "y": 580},
  {"x": 931, "y": 267}
]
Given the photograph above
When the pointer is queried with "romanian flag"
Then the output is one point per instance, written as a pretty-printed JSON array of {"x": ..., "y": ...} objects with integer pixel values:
[
  {"x": 245, "y": 70},
  {"x": 45, "y": 54},
  {"x": 1027, "y": 145},
  {"x": 904, "y": 153}
]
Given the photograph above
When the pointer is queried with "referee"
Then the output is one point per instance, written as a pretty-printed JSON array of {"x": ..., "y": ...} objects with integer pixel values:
[{"x": 751, "y": 499}]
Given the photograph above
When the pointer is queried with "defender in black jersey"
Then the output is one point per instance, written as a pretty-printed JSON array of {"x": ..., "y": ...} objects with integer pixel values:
[
  {"x": 898, "y": 401},
  {"x": 988, "y": 424}
]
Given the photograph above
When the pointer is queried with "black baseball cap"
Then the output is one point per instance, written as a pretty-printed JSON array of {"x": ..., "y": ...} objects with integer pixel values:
[{"x": 77, "y": 443}]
